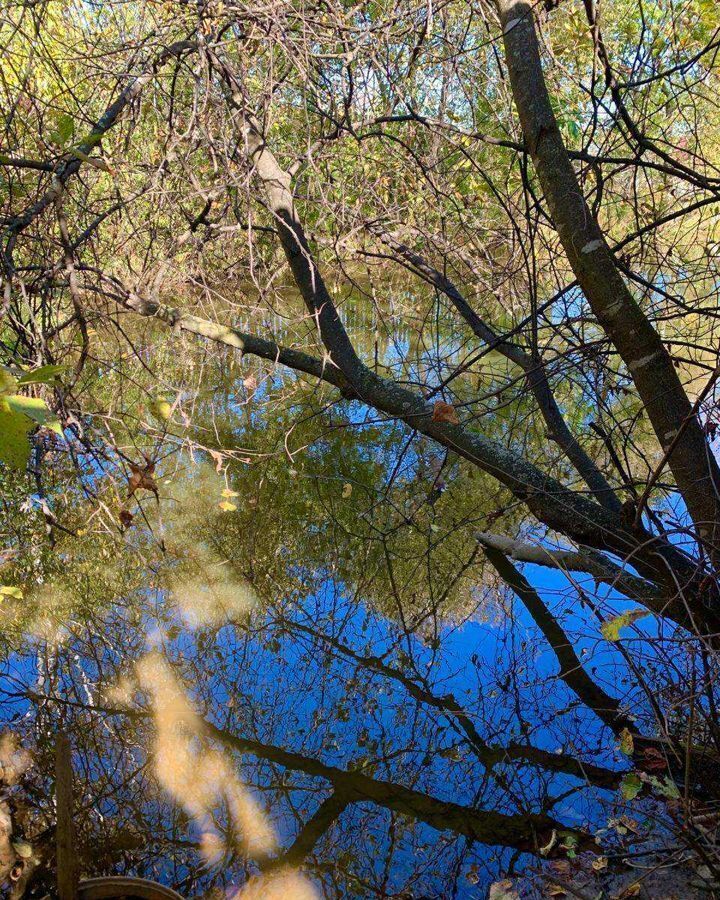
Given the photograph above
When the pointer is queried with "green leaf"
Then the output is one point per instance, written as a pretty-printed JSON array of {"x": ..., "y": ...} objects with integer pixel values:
[
  {"x": 630, "y": 786},
  {"x": 64, "y": 130},
  {"x": 43, "y": 375},
  {"x": 8, "y": 382},
  {"x": 14, "y": 444},
  {"x": 611, "y": 629},
  {"x": 666, "y": 787},
  {"x": 10, "y": 590},
  {"x": 569, "y": 843},
  {"x": 36, "y": 409},
  {"x": 18, "y": 415}
]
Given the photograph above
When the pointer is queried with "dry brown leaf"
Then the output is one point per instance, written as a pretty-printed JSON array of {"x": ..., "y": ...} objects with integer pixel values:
[
  {"x": 142, "y": 478},
  {"x": 126, "y": 518},
  {"x": 219, "y": 460},
  {"x": 445, "y": 413},
  {"x": 653, "y": 760}
]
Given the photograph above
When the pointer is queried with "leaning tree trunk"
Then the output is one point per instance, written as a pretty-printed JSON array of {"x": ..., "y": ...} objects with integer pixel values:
[{"x": 673, "y": 418}]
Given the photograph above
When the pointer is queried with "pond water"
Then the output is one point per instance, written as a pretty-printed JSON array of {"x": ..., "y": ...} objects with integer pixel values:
[{"x": 323, "y": 675}]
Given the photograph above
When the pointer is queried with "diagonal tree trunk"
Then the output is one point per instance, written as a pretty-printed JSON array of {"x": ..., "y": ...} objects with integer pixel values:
[
  {"x": 672, "y": 416},
  {"x": 529, "y": 831},
  {"x": 561, "y": 509}
]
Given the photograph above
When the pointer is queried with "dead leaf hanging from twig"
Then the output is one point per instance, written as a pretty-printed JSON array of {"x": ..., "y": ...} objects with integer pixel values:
[{"x": 142, "y": 478}]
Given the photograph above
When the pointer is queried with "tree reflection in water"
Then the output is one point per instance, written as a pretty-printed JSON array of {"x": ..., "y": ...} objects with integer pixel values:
[{"x": 425, "y": 754}]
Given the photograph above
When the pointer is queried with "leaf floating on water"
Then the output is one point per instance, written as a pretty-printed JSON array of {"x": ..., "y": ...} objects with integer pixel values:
[
  {"x": 503, "y": 890},
  {"x": 665, "y": 787},
  {"x": 228, "y": 493},
  {"x": 347, "y": 490},
  {"x": 445, "y": 413},
  {"x": 627, "y": 745},
  {"x": 23, "y": 849},
  {"x": 10, "y": 590},
  {"x": 611, "y": 629},
  {"x": 227, "y": 506},
  {"x": 630, "y": 786}
]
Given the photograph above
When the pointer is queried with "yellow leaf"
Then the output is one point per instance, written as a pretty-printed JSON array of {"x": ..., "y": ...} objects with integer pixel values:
[
  {"x": 9, "y": 590},
  {"x": 611, "y": 629},
  {"x": 161, "y": 408},
  {"x": 627, "y": 745},
  {"x": 227, "y": 506},
  {"x": 228, "y": 493},
  {"x": 347, "y": 490}
]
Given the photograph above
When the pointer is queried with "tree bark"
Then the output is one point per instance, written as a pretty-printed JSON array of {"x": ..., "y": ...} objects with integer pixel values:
[{"x": 692, "y": 463}]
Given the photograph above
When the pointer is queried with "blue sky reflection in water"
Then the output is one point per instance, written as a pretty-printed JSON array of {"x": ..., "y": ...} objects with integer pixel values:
[{"x": 321, "y": 677}]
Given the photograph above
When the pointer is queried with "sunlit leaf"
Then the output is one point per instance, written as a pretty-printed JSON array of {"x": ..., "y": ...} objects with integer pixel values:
[
  {"x": 8, "y": 382},
  {"x": 36, "y": 409},
  {"x": 161, "y": 408},
  {"x": 43, "y": 375},
  {"x": 611, "y": 629},
  {"x": 14, "y": 443}
]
